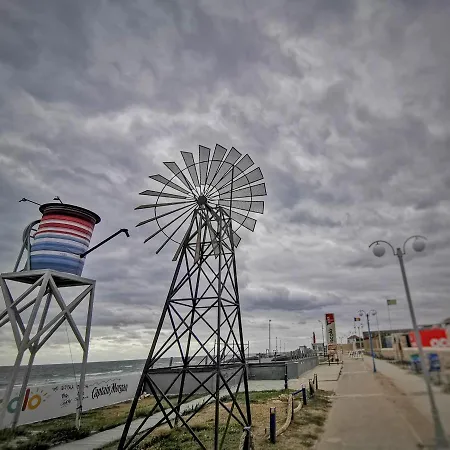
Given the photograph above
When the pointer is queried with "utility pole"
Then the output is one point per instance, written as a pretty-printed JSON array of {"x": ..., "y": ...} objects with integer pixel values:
[{"x": 270, "y": 345}]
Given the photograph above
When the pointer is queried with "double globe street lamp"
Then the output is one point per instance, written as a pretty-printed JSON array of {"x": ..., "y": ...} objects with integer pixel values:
[{"x": 418, "y": 246}]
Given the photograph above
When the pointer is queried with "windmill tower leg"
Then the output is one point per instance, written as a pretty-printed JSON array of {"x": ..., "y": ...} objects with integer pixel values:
[{"x": 202, "y": 305}]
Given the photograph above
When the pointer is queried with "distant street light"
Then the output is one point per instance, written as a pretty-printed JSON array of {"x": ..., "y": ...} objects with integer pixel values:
[
  {"x": 418, "y": 246},
  {"x": 323, "y": 338},
  {"x": 270, "y": 345},
  {"x": 362, "y": 313},
  {"x": 375, "y": 313}
]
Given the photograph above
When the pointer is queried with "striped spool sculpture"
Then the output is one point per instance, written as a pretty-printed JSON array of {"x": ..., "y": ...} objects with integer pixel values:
[{"x": 64, "y": 233}]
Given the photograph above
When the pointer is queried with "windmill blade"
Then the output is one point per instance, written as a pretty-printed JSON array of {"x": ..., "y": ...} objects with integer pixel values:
[
  {"x": 203, "y": 158},
  {"x": 173, "y": 167},
  {"x": 244, "y": 180},
  {"x": 169, "y": 223},
  {"x": 156, "y": 205},
  {"x": 198, "y": 244},
  {"x": 219, "y": 153},
  {"x": 163, "y": 215},
  {"x": 167, "y": 182},
  {"x": 252, "y": 206},
  {"x": 230, "y": 159},
  {"x": 213, "y": 237},
  {"x": 245, "y": 221},
  {"x": 162, "y": 194},
  {"x": 185, "y": 237},
  {"x": 240, "y": 167},
  {"x": 236, "y": 239},
  {"x": 258, "y": 190},
  {"x": 190, "y": 164},
  {"x": 172, "y": 235}
]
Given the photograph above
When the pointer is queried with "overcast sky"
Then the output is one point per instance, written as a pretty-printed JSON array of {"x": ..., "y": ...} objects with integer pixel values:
[{"x": 345, "y": 106}]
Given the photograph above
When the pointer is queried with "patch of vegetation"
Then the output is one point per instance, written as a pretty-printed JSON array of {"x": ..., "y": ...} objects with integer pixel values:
[
  {"x": 42, "y": 440},
  {"x": 258, "y": 396}
]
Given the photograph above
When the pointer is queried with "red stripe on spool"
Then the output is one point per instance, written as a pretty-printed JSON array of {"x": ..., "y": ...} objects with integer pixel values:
[
  {"x": 86, "y": 223},
  {"x": 65, "y": 225}
]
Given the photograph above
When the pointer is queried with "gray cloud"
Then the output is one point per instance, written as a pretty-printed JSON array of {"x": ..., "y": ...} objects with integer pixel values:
[{"x": 344, "y": 105}]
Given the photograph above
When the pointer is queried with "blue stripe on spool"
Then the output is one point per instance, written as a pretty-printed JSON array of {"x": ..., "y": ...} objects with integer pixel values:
[
  {"x": 57, "y": 247},
  {"x": 58, "y": 263},
  {"x": 62, "y": 236}
]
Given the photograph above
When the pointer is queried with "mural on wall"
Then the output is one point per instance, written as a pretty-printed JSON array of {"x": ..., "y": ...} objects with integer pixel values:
[{"x": 56, "y": 400}]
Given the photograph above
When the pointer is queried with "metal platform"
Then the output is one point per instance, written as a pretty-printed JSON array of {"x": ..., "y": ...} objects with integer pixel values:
[{"x": 62, "y": 279}]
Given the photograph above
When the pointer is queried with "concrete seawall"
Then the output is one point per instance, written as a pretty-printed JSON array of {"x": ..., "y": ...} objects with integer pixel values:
[
  {"x": 275, "y": 370},
  {"x": 264, "y": 371}
]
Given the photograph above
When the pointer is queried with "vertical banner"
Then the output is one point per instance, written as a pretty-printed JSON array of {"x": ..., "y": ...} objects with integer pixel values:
[{"x": 331, "y": 328}]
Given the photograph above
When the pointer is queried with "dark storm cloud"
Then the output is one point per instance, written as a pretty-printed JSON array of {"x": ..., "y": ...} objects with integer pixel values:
[{"x": 344, "y": 105}]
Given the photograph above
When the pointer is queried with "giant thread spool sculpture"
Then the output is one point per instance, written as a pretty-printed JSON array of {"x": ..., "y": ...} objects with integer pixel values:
[{"x": 64, "y": 234}]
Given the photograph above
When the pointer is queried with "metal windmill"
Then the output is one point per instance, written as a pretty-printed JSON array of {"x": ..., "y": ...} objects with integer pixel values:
[{"x": 200, "y": 208}]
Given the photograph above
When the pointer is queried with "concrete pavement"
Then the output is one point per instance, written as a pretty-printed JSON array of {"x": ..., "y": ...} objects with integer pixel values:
[
  {"x": 369, "y": 413},
  {"x": 413, "y": 386}
]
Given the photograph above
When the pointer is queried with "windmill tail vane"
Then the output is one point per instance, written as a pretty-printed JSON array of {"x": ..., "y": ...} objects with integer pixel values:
[{"x": 200, "y": 208}]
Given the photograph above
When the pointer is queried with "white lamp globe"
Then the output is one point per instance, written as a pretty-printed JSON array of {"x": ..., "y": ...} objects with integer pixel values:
[
  {"x": 419, "y": 245},
  {"x": 379, "y": 250}
]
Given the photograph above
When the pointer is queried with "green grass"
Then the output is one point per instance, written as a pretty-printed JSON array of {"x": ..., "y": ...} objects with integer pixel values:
[
  {"x": 43, "y": 435},
  {"x": 25, "y": 440},
  {"x": 258, "y": 397},
  {"x": 181, "y": 439}
]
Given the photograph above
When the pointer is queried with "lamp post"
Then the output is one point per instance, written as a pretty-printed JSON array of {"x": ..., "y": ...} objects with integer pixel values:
[
  {"x": 418, "y": 246},
  {"x": 323, "y": 338},
  {"x": 375, "y": 313},
  {"x": 270, "y": 345},
  {"x": 361, "y": 313}
]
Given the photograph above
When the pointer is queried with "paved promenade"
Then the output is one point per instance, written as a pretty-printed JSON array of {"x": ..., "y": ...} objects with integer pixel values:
[{"x": 370, "y": 411}]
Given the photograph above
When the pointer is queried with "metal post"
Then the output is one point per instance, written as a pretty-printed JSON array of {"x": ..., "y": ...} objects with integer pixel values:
[
  {"x": 270, "y": 344},
  {"x": 379, "y": 335},
  {"x": 371, "y": 344},
  {"x": 441, "y": 440},
  {"x": 305, "y": 401},
  {"x": 87, "y": 336},
  {"x": 389, "y": 315},
  {"x": 361, "y": 341},
  {"x": 273, "y": 425},
  {"x": 23, "y": 347},
  {"x": 285, "y": 376}
]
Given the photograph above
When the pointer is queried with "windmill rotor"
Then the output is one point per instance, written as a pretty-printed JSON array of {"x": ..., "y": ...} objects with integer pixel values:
[{"x": 220, "y": 180}]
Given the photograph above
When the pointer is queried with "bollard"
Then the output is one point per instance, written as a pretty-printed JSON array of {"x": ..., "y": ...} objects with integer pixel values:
[
  {"x": 311, "y": 389},
  {"x": 273, "y": 425},
  {"x": 285, "y": 377},
  {"x": 305, "y": 402},
  {"x": 317, "y": 381},
  {"x": 293, "y": 408}
]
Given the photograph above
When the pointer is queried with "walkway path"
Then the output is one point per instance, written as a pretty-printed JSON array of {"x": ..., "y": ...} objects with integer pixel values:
[
  {"x": 370, "y": 413},
  {"x": 414, "y": 387}
]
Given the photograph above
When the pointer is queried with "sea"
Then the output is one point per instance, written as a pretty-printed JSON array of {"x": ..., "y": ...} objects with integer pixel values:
[{"x": 62, "y": 373}]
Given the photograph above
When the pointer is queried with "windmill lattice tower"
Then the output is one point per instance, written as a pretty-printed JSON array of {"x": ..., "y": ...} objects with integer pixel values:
[{"x": 200, "y": 208}]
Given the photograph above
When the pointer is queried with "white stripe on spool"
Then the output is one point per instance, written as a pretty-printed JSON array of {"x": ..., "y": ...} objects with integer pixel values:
[
  {"x": 49, "y": 229},
  {"x": 55, "y": 253}
]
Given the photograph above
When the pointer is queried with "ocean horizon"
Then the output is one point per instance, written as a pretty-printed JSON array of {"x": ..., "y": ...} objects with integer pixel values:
[{"x": 67, "y": 372}]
